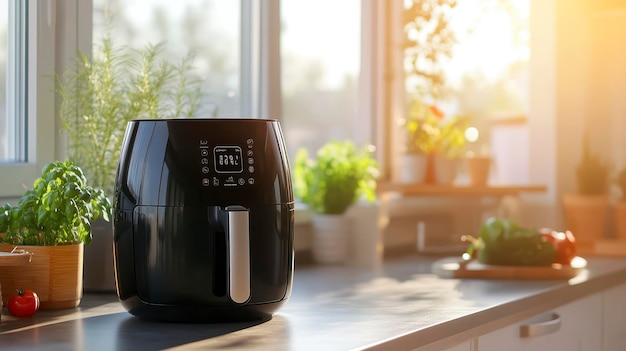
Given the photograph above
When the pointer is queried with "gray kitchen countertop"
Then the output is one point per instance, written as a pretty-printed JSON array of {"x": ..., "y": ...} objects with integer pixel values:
[{"x": 399, "y": 305}]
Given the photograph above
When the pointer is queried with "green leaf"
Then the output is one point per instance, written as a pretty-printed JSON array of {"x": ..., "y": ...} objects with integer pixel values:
[
  {"x": 71, "y": 190},
  {"x": 42, "y": 215}
]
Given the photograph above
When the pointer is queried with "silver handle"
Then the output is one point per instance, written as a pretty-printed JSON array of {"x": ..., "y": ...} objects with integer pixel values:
[
  {"x": 238, "y": 253},
  {"x": 541, "y": 328}
]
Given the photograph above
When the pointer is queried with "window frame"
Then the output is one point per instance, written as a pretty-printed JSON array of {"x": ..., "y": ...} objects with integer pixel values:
[
  {"x": 39, "y": 116},
  {"x": 16, "y": 77},
  {"x": 56, "y": 31}
]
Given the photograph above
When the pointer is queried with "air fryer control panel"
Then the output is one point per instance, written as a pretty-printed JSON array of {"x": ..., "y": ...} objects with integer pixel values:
[
  {"x": 227, "y": 165},
  {"x": 194, "y": 162}
]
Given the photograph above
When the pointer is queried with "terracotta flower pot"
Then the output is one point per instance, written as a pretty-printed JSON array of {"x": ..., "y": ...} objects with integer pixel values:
[
  {"x": 479, "y": 168},
  {"x": 55, "y": 273},
  {"x": 445, "y": 169},
  {"x": 585, "y": 216},
  {"x": 619, "y": 210}
]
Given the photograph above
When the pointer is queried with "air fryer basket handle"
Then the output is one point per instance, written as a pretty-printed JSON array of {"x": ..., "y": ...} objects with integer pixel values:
[{"x": 238, "y": 237}]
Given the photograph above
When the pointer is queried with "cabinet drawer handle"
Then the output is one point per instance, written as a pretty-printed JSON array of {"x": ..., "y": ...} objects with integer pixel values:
[{"x": 541, "y": 328}]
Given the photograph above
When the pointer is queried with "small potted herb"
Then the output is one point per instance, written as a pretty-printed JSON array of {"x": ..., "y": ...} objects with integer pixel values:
[
  {"x": 52, "y": 221},
  {"x": 587, "y": 209},
  {"x": 422, "y": 135},
  {"x": 592, "y": 174},
  {"x": 450, "y": 148},
  {"x": 329, "y": 184}
]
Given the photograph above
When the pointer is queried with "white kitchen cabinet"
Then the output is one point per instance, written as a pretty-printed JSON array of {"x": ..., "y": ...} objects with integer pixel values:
[
  {"x": 466, "y": 346},
  {"x": 573, "y": 326},
  {"x": 614, "y": 325}
]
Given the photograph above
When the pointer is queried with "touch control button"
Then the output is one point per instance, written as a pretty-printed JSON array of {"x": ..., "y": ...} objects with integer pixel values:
[
  {"x": 250, "y": 181},
  {"x": 251, "y": 169},
  {"x": 204, "y": 152}
]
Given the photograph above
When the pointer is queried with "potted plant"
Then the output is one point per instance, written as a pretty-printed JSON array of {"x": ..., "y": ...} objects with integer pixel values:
[
  {"x": 422, "y": 134},
  {"x": 329, "y": 184},
  {"x": 52, "y": 221},
  {"x": 619, "y": 209},
  {"x": 586, "y": 211},
  {"x": 450, "y": 148},
  {"x": 99, "y": 96}
]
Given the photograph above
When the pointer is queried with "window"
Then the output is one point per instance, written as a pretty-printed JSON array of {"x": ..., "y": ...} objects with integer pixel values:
[
  {"x": 319, "y": 69},
  {"x": 27, "y": 126},
  {"x": 486, "y": 78},
  {"x": 208, "y": 29},
  {"x": 320, "y": 63},
  {"x": 336, "y": 77}
]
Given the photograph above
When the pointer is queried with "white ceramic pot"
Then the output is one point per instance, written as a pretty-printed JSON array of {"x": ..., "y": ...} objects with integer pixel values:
[
  {"x": 330, "y": 235},
  {"x": 413, "y": 168},
  {"x": 365, "y": 243}
]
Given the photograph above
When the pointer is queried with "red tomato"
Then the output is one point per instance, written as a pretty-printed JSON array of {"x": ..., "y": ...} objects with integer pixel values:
[
  {"x": 564, "y": 245},
  {"x": 23, "y": 304}
]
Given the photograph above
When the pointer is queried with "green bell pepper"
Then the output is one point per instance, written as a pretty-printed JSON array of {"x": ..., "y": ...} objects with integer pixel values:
[{"x": 503, "y": 242}]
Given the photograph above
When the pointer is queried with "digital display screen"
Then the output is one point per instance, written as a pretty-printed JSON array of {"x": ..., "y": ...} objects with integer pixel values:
[{"x": 227, "y": 159}]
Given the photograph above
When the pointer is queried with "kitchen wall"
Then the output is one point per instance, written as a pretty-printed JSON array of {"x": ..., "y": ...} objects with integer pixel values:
[{"x": 578, "y": 86}]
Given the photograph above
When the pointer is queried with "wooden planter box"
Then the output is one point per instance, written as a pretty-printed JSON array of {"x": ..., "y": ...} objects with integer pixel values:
[{"x": 55, "y": 273}]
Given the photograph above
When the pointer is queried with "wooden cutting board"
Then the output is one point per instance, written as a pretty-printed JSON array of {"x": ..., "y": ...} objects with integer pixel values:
[{"x": 453, "y": 267}]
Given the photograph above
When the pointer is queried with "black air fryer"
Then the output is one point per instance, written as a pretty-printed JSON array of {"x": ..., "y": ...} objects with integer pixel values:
[{"x": 203, "y": 220}]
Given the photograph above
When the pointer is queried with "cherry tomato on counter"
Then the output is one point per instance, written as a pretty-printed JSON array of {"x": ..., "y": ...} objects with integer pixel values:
[
  {"x": 24, "y": 303},
  {"x": 564, "y": 244}
]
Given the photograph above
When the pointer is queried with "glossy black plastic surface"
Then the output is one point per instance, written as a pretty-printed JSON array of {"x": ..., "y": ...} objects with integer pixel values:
[{"x": 175, "y": 179}]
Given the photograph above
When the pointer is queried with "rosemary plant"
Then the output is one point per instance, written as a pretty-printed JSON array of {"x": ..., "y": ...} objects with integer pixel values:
[{"x": 99, "y": 95}]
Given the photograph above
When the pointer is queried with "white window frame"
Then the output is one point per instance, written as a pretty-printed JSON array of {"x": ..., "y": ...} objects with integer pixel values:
[
  {"x": 15, "y": 177},
  {"x": 260, "y": 59},
  {"x": 56, "y": 31}
]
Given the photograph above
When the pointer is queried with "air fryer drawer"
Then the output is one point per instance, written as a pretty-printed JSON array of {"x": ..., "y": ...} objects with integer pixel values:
[{"x": 180, "y": 258}]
